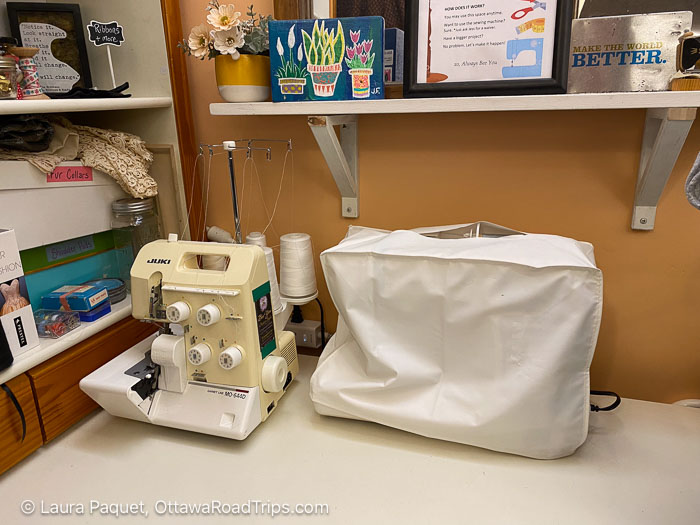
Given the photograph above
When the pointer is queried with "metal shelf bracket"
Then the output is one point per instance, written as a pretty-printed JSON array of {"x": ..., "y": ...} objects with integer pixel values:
[
  {"x": 665, "y": 131},
  {"x": 340, "y": 155}
]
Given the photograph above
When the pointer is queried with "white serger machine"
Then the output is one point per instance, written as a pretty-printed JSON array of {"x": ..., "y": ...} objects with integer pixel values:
[{"x": 227, "y": 368}]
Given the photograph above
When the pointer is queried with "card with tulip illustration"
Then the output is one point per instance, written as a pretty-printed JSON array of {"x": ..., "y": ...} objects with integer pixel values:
[{"x": 327, "y": 59}]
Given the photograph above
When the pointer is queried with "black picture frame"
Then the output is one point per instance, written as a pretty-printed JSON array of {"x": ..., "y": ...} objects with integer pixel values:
[
  {"x": 78, "y": 57},
  {"x": 537, "y": 86}
]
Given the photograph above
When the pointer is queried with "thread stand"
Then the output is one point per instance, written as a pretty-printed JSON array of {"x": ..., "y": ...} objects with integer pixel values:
[{"x": 237, "y": 145}]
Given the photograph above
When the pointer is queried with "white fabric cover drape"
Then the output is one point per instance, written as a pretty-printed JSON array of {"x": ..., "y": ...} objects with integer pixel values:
[{"x": 482, "y": 341}]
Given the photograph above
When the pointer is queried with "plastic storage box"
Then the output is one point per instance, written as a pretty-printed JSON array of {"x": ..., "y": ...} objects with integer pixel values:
[
  {"x": 82, "y": 298},
  {"x": 95, "y": 313},
  {"x": 53, "y": 323}
]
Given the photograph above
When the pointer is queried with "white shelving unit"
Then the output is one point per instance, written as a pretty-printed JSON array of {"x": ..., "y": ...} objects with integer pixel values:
[
  {"x": 669, "y": 118},
  {"x": 16, "y": 107},
  {"x": 141, "y": 60},
  {"x": 48, "y": 348},
  {"x": 44, "y": 213}
]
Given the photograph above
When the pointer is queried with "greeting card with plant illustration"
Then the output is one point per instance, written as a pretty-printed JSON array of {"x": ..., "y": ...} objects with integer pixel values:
[{"x": 327, "y": 59}]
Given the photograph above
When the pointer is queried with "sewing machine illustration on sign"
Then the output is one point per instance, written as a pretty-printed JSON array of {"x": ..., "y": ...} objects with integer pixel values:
[
  {"x": 227, "y": 370},
  {"x": 533, "y": 47}
]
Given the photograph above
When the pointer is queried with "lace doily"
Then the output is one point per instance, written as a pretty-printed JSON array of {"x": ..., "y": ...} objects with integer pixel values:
[{"x": 122, "y": 156}]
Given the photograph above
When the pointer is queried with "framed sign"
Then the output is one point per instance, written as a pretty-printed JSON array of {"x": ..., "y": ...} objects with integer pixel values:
[
  {"x": 486, "y": 47},
  {"x": 57, "y": 30}
]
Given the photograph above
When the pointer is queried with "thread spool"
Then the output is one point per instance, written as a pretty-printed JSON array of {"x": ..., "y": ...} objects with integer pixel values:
[
  {"x": 256, "y": 238},
  {"x": 30, "y": 86},
  {"x": 216, "y": 234},
  {"x": 297, "y": 275},
  {"x": 277, "y": 305},
  {"x": 167, "y": 350},
  {"x": 214, "y": 262}
]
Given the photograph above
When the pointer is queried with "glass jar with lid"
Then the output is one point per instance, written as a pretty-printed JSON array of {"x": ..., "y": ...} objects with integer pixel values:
[
  {"x": 134, "y": 224},
  {"x": 9, "y": 77}
]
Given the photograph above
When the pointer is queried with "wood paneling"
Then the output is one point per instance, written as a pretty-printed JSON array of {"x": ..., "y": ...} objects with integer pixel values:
[
  {"x": 13, "y": 450},
  {"x": 286, "y": 9},
  {"x": 172, "y": 24},
  {"x": 59, "y": 398},
  {"x": 293, "y": 9}
]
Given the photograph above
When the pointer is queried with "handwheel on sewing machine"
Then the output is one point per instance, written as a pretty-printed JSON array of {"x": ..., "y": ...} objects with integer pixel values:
[{"x": 228, "y": 370}]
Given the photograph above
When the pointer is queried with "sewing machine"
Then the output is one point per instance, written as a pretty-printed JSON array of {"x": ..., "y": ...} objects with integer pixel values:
[{"x": 226, "y": 366}]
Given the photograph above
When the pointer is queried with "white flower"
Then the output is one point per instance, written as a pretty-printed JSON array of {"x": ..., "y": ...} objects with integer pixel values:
[
  {"x": 199, "y": 40},
  {"x": 280, "y": 49},
  {"x": 223, "y": 18},
  {"x": 290, "y": 38},
  {"x": 300, "y": 53},
  {"x": 228, "y": 42}
]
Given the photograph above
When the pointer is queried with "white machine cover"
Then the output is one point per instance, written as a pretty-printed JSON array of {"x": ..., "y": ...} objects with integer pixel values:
[{"x": 483, "y": 341}]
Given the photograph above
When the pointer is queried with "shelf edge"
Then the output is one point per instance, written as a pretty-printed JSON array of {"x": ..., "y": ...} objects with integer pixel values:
[
  {"x": 566, "y": 102},
  {"x": 53, "y": 347}
]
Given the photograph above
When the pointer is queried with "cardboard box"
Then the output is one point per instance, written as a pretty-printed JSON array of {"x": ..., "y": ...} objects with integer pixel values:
[{"x": 16, "y": 316}]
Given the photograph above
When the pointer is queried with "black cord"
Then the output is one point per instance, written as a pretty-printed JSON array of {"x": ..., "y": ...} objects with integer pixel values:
[
  {"x": 323, "y": 326},
  {"x": 18, "y": 407},
  {"x": 613, "y": 406},
  {"x": 297, "y": 316}
]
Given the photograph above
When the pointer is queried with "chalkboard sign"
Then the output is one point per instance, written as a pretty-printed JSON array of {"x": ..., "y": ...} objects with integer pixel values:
[{"x": 101, "y": 33}]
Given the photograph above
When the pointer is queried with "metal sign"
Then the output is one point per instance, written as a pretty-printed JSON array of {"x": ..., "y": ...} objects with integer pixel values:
[{"x": 625, "y": 53}]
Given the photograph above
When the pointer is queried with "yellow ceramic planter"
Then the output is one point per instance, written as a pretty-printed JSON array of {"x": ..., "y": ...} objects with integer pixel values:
[{"x": 244, "y": 80}]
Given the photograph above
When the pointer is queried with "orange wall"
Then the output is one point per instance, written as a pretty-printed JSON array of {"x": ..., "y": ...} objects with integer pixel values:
[{"x": 565, "y": 173}]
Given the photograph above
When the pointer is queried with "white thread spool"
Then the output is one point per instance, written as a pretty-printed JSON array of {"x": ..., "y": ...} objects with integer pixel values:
[
  {"x": 216, "y": 234},
  {"x": 277, "y": 305},
  {"x": 297, "y": 275},
  {"x": 214, "y": 262},
  {"x": 256, "y": 238}
]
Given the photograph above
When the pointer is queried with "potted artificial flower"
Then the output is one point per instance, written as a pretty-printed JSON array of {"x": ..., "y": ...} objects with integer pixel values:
[
  {"x": 291, "y": 75},
  {"x": 359, "y": 62},
  {"x": 240, "y": 49},
  {"x": 324, "y": 55}
]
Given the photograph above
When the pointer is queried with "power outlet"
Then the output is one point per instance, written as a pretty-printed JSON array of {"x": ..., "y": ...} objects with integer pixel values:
[{"x": 307, "y": 333}]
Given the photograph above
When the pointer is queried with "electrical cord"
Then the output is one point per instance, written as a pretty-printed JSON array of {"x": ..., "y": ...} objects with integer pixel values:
[
  {"x": 323, "y": 325},
  {"x": 18, "y": 407},
  {"x": 612, "y": 406}
]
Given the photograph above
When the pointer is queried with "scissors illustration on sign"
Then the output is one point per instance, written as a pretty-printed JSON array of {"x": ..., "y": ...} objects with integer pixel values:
[{"x": 522, "y": 13}]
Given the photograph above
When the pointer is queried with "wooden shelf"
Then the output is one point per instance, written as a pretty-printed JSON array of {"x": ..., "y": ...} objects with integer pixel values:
[
  {"x": 15, "y": 107},
  {"x": 663, "y": 99},
  {"x": 50, "y": 347}
]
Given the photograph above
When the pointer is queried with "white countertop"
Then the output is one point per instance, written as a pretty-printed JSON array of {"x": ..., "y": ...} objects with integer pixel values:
[{"x": 640, "y": 464}]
